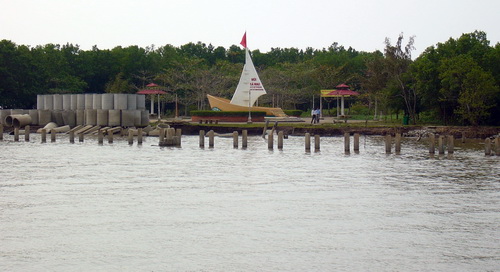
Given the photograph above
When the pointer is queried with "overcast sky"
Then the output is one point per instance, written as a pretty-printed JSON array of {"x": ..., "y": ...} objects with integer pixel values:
[{"x": 361, "y": 24}]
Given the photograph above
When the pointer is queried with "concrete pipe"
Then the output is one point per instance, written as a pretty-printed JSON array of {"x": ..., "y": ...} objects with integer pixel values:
[
  {"x": 47, "y": 127},
  {"x": 102, "y": 118},
  {"x": 141, "y": 102},
  {"x": 107, "y": 101},
  {"x": 91, "y": 117},
  {"x": 44, "y": 117},
  {"x": 58, "y": 101},
  {"x": 144, "y": 118},
  {"x": 80, "y": 117},
  {"x": 120, "y": 101},
  {"x": 18, "y": 120},
  {"x": 3, "y": 115},
  {"x": 128, "y": 118},
  {"x": 97, "y": 100},
  {"x": 48, "y": 102},
  {"x": 57, "y": 118},
  {"x": 89, "y": 101},
  {"x": 137, "y": 117},
  {"x": 131, "y": 102},
  {"x": 40, "y": 102},
  {"x": 61, "y": 129},
  {"x": 69, "y": 118},
  {"x": 74, "y": 102},
  {"x": 34, "y": 116},
  {"x": 80, "y": 101},
  {"x": 114, "y": 118},
  {"x": 66, "y": 102}
]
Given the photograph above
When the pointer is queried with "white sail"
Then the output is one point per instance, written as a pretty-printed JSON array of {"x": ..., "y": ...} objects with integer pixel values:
[{"x": 250, "y": 87}]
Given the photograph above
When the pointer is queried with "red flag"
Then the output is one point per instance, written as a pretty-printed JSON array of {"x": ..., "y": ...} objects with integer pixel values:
[{"x": 244, "y": 40}]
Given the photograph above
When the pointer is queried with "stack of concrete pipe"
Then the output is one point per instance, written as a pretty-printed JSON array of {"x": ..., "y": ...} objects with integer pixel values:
[{"x": 125, "y": 110}]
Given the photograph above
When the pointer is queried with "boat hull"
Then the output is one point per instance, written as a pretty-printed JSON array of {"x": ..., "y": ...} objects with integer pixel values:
[{"x": 225, "y": 105}]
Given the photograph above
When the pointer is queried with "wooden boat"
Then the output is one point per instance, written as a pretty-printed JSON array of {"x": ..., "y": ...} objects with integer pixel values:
[{"x": 248, "y": 90}]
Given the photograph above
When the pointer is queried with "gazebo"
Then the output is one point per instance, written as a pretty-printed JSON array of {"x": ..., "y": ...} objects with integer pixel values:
[
  {"x": 341, "y": 91},
  {"x": 152, "y": 90}
]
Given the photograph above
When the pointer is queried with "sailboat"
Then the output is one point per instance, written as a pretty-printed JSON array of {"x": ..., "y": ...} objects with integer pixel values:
[{"x": 247, "y": 92}]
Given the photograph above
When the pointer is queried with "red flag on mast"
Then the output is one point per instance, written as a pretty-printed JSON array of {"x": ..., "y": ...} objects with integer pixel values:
[{"x": 244, "y": 40}]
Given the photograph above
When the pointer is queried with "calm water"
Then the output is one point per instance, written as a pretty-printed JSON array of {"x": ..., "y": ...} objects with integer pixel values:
[{"x": 85, "y": 207}]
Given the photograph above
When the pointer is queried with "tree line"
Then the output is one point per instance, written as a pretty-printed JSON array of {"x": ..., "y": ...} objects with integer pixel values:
[{"x": 454, "y": 82}]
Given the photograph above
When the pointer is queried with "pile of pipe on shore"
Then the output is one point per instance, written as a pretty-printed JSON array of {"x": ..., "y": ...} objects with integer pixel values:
[{"x": 125, "y": 110}]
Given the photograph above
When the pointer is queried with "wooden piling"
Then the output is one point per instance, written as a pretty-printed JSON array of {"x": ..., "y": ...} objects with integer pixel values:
[
  {"x": 81, "y": 137},
  {"x": 388, "y": 144},
  {"x": 451, "y": 144},
  {"x": 356, "y": 142},
  {"x": 235, "y": 139},
  {"x": 463, "y": 136},
  {"x": 161, "y": 136},
  {"x": 316, "y": 142},
  {"x": 432, "y": 142},
  {"x": 44, "y": 135},
  {"x": 308, "y": 142},
  {"x": 441, "y": 144},
  {"x": 1, "y": 132},
  {"x": 72, "y": 136},
  {"x": 178, "y": 137},
  {"x": 347, "y": 144},
  {"x": 202, "y": 138},
  {"x": 211, "y": 139},
  {"x": 110, "y": 137},
  {"x": 397, "y": 143},
  {"x": 265, "y": 129},
  {"x": 244, "y": 138},
  {"x": 487, "y": 147},
  {"x": 270, "y": 141},
  {"x": 52, "y": 135},
  {"x": 27, "y": 133},
  {"x": 16, "y": 134},
  {"x": 139, "y": 136},
  {"x": 280, "y": 140},
  {"x": 130, "y": 137},
  {"x": 497, "y": 146},
  {"x": 100, "y": 136}
]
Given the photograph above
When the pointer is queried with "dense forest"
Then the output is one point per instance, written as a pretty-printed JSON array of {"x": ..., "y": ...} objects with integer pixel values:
[{"x": 454, "y": 82}]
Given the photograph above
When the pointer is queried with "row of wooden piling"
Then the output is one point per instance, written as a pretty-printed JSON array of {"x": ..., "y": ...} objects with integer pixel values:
[{"x": 172, "y": 137}]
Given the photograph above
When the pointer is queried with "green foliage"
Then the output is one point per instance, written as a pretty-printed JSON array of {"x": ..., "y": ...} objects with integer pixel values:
[
  {"x": 227, "y": 113},
  {"x": 293, "y": 112}
]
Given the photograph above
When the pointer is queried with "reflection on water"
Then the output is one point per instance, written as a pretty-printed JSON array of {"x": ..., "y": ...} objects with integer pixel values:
[{"x": 86, "y": 206}]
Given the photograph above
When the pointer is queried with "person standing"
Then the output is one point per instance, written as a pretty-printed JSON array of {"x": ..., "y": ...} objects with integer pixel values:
[
  {"x": 313, "y": 116},
  {"x": 317, "y": 114}
]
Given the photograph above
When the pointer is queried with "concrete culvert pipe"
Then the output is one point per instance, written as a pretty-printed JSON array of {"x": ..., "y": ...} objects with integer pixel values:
[
  {"x": 44, "y": 117},
  {"x": 66, "y": 101},
  {"x": 58, "y": 102},
  {"x": 131, "y": 102},
  {"x": 34, "y": 116},
  {"x": 74, "y": 102},
  {"x": 89, "y": 101},
  {"x": 48, "y": 102},
  {"x": 80, "y": 101},
  {"x": 18, "y": 121},
  {"x": 120, "y": 101},
  {"x": 107, "y": 101},
  {"x": 3, "y": 115},
  {"x": 102, "y": 118},
  {"x": 97, "y": 100},
  {"x": 141, "y": 102},
  {"x": 80, "y": 117},
  {"x": 69, "y": 118},
  {"x": 40, "y": 102},
  {"x": 144, "y": 118},
  {"x": 114, "y": 118},
  {"x": 128, "y": 118},
  {"x": 91, "y": 117}
]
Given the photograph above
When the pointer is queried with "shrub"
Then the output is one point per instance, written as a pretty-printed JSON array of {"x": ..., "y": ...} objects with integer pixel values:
[
  {"x": 227, "y": 113},
  {"x": 293, "y": 112}
]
